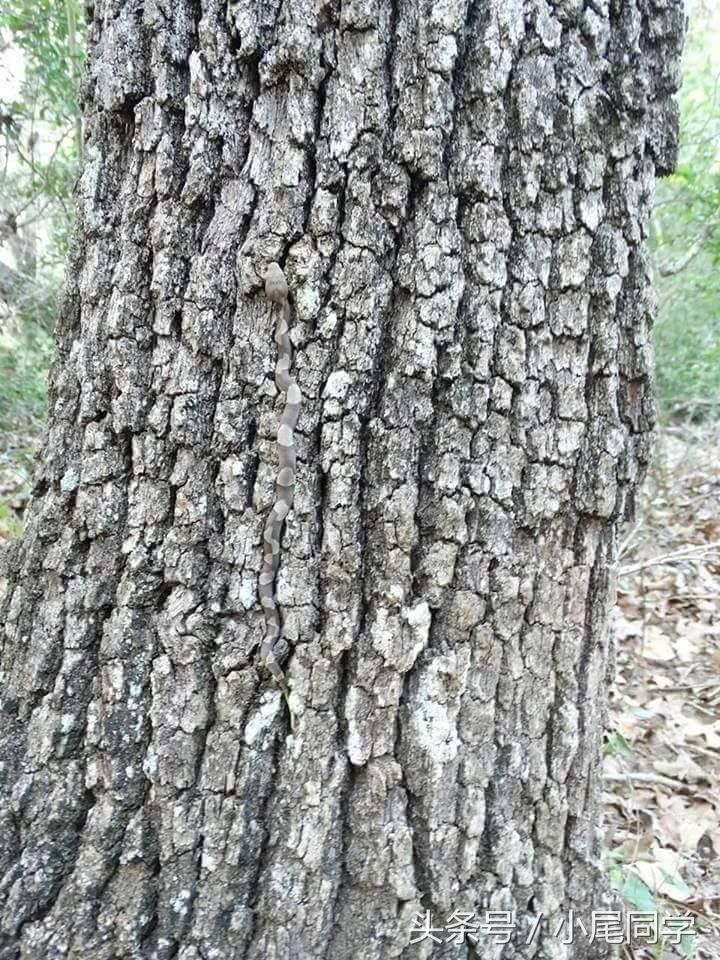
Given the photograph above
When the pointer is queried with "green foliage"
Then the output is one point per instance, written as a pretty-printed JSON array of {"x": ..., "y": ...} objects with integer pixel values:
[
  {"x": 10, "y": 526},
  {"x": 41, "y": 128},
  {"x": 616, "y": 745},
  {"x": 47, "y": 33},
  {"x": 24, "y": 361},
  {"x": 686, "y": 234},
  {"x": 639, "y": 898},
  {"x": 687, "y": 341},
  {"x": 634, "y": 891},
  {"x": 39, "y": 152},
  {"x": 25, "y": 355}
]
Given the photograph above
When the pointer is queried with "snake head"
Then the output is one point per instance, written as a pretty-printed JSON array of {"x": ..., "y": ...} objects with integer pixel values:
[{"x": 276, "y": 286}]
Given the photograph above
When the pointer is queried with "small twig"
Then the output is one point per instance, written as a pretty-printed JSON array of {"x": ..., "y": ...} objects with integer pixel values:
[
  {"x": 670, "y": 269},
  {"x": 694, "y": 596},
  {"x": 655, "y": 778},
  {"x": 629, "y": 538},
  {"x": 687, "y": 553},
  {"x": 693, "y": 748},
  {"x": 29, "y": 161},
  {"x": 695, "y": 402}
]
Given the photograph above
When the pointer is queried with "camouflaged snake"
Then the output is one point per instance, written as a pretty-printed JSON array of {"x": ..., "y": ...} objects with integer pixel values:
[{"x": 273, "y": 646}]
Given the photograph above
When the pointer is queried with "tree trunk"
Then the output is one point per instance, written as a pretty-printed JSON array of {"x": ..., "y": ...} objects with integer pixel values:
[{"x": 458, "y": 192}]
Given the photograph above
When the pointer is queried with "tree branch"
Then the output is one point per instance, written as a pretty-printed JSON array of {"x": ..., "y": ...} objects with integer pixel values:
[{"x": 670, "y": 269}]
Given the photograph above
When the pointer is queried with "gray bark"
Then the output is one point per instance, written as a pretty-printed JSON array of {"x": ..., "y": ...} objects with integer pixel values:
[{"x": 459, "y": 192}]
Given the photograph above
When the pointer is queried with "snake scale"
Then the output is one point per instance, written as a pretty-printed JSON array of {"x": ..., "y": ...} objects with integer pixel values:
[{"x": 273, "y": 646}]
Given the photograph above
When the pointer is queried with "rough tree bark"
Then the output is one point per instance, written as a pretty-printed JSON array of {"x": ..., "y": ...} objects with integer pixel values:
[{"x": 459, "y": 193}]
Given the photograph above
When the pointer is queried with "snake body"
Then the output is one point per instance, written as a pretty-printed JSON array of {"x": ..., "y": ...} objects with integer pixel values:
[{"x": 273, "y": 646}]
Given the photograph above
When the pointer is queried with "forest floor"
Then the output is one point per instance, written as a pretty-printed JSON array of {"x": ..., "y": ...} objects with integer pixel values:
[{"x": 662, "y": 762}]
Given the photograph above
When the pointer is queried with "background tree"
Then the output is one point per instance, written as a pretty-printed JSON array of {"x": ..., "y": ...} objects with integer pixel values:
[
  {"x": 460, "y": 194},
  {"x": 41, "y": 54},
  {"x": 686, "y": 234},
  {"x": 41, "y": 142}
]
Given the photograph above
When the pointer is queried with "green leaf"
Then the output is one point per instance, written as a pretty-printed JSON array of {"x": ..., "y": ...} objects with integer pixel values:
[
  {"x": 687, "y": 945},
  {"x": 635, "y": 892},
  {"x": 677, "y": 882},
  {"x": 616, "y": 745}
]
